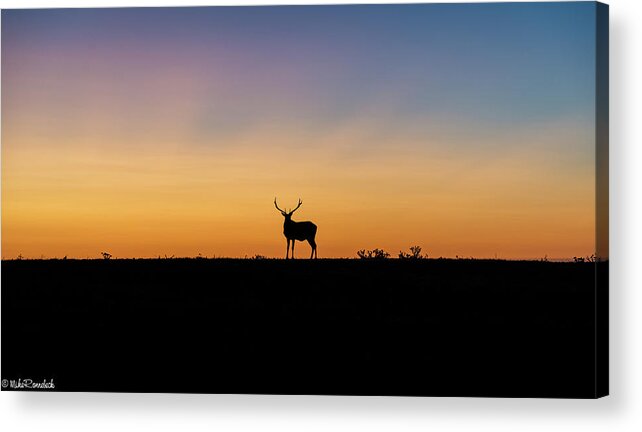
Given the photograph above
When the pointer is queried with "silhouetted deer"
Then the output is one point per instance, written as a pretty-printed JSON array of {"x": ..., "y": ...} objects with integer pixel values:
[{"x": 297, "y": 231}]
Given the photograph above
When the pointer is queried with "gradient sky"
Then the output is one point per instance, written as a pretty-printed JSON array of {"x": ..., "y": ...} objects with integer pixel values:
[{"x": 465, "y": 128}]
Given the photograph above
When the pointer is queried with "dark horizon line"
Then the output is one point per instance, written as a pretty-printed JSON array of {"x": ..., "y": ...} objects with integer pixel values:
[{"x": 264, "y": 258}]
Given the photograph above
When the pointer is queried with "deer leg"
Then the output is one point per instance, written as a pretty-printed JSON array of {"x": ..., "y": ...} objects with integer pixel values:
[
  {"x": 287, "y": 250},
  {"x": 313, "y": 245},
  {"x": 293, "y": 242}
]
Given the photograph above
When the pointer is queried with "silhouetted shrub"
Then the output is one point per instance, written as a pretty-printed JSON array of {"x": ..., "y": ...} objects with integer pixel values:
[
  {"x": 106, "y": 255},
  {"x": 584, "y": 259},
  {"x": 258, "y": 257},
  {"x": 373, "y": 254},
  {"x": 415, "y": 253}
]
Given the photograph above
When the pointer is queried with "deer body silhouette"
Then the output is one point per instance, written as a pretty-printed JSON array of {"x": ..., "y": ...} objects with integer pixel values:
[{"x": 294, "y": 231}]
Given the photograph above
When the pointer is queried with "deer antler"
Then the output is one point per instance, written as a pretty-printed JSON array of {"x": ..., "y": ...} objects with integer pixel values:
[
  {"x": 297, "y": 207},
  {"x": 277, "y": 206}
]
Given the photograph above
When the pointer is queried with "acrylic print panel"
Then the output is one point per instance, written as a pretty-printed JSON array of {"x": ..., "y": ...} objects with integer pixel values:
[{"x": 362, "y": 200}]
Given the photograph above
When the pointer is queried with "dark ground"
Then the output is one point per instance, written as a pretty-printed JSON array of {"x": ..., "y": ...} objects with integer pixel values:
[{"x": 390, "y": 327}]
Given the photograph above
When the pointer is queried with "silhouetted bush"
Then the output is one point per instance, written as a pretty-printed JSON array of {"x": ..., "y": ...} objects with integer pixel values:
[
  {"x": 373, "y": 254},
  {"x": 106, "y": 255},
  {"x": 415, "y": 253},
  {"x": 584, "y": 259}
]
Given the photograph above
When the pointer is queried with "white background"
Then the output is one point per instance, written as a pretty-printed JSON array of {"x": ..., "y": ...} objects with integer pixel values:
[{"x": 622, "y": 411}]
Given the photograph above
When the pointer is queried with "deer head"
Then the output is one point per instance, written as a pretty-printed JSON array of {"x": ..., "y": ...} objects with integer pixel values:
[{"x": 285, "y": 214}]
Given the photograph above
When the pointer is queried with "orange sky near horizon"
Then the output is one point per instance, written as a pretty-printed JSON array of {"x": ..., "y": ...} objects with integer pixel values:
[{"x": 85, "y": 199}]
